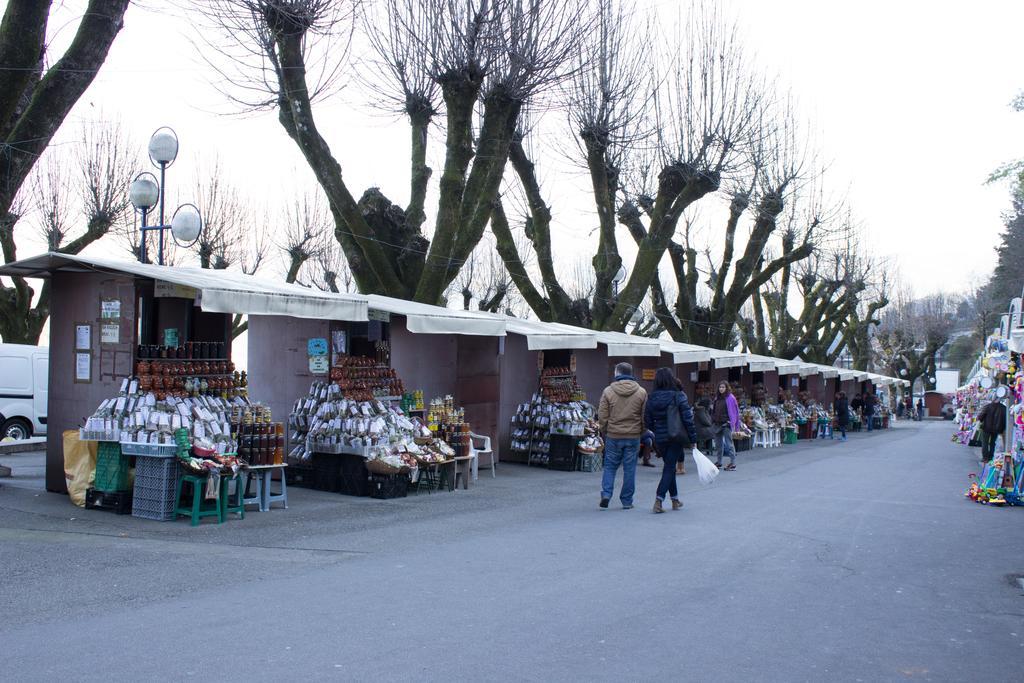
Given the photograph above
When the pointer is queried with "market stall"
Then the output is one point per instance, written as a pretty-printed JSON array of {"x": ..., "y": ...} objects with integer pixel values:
[{"x": 160, "y": 334}]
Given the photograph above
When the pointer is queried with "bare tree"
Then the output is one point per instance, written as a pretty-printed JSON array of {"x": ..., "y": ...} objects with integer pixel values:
[
  {"x": 677, "y": 133},
  {"x": 35, "y": 98},
  {"x": 495, "y": 53},
  {"x": 911, "y": 334},
  {"x": 832, "y": 288},
  {"x": 96, "y": 189}
]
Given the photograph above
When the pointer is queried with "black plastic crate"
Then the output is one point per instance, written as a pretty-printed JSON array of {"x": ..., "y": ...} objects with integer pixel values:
[
  {"x": 742, "y": 444},
  {"x": 389, "y": 485},
  {"x": 562, "y": 455},
  {"x": 299, "y": 476},
  {"x": 114, "y": 501},
  {"x": 354, "y": 485}
]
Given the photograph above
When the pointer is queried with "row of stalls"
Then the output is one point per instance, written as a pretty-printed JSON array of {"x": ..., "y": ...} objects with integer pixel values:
[
  {"x": 118, "y": 327},
  {"x": 996, "y": 378}
]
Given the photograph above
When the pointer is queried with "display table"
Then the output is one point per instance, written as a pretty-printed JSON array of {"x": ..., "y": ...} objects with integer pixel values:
[{"x": 263, "y": 476}]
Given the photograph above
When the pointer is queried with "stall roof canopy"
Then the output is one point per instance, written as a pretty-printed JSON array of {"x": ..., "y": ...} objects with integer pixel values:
[
  {"x": 218, "y": 291},
  {"x": 729, "y": 359},
  {"x": 427, "y": 319},
  {"x": 542, "y": 336},
  {"x": 685, "y": 353}
]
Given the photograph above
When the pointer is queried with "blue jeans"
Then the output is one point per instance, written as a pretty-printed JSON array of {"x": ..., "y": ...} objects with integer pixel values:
[
  {"x": 620, "y": 452},
  {"x": 870, "y": 419},
  {"x": 724, "y": 445},
  {"x": 671, "y": 453}
]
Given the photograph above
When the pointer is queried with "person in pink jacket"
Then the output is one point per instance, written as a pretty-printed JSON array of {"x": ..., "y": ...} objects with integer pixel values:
[{"x": 725, "y": 418}]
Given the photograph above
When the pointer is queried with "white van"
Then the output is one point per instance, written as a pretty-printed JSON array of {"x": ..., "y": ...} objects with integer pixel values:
[{"x": 23, "y": 390}]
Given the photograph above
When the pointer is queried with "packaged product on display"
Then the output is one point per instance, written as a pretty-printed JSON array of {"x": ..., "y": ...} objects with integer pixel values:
[{"x": 142, "y": 422}]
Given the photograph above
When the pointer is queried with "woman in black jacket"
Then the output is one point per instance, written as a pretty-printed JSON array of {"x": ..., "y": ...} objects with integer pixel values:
[
  {"x": 841, "y": 407},
  {"x": 665, "y": 397},
  {"x": 704, "y": 424}
]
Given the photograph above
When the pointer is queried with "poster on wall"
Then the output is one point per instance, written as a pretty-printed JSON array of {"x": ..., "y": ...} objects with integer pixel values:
[
  {"x": 83, "y": 336},
  {"x": 83, "y": 368},
  {"x": 318, "y": 365},
  {"x": 110, "y": 333},
  {"x": 339, "y": 345},
  {"x": 795, "y": 381},
  {"x": 110, "y": 309},
  {"x": 171, "y": 336}
]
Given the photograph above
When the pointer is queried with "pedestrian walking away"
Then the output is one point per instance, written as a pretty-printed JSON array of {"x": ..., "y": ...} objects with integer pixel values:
[
  {"x": 869, "y": 410},
  {"x": 669, "y": 416},
  {"x": 620, "y": 414},
  {"x": 841, "y": 407},
  {"x": 992, "y": 423},
  {"x": 725, "y": 414},
  {"x": 920, "y": 409}
]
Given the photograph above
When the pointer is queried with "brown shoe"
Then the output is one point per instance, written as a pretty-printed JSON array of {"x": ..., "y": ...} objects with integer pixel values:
[
  {"x": 676, "y": 503},
  {"x": 657, "y": 505}
]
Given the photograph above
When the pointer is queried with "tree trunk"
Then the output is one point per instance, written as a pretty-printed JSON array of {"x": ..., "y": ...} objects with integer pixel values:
[{"x": 370, "y": 266}]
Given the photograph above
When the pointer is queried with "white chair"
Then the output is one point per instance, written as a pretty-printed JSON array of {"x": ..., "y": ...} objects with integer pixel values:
[
  {"x": 483, "y": 450},
  {"x": 760, "y": 438}
]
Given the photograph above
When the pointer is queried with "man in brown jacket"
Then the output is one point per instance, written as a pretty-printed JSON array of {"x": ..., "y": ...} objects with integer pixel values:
[{"x": 621, "y": 414}]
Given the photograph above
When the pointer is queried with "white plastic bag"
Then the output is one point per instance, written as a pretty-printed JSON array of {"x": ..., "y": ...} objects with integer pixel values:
[{"x": 706, "y": 469}]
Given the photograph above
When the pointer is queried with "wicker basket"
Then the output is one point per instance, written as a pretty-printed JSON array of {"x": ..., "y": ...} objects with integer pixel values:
[{"x": 381, "y": 467}]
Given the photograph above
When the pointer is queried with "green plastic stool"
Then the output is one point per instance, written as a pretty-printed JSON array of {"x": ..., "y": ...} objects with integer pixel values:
[
  {"x": 201, "y": 508},
  {"x": 233, "y": 503}
]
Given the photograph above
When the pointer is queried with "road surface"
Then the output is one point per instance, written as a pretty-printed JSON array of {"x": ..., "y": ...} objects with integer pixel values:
[{"x": 858, "y": 561}]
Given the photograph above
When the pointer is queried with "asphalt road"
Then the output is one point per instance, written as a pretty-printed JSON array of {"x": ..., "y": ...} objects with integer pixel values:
[{"x": 848, "y": 562}]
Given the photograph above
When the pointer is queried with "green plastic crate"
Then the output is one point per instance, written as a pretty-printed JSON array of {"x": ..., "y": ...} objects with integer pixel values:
[
  {"x": 111, "y": 468},
  {"x": 789, "y": 436}
]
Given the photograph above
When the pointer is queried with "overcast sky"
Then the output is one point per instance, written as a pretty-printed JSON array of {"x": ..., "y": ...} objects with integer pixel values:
[{"x": 910, "y": 101}]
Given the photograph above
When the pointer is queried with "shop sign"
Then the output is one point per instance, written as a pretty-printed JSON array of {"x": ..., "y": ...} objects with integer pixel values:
[
  {"x": 319, "y": 365},
  {"x": 170, "y": 290},
  {"x": 317, "y": 346},
  {"x": 378, "y": 316},
  {"x": 171, "y": 336},
  {"x": 647, "y": 374}
]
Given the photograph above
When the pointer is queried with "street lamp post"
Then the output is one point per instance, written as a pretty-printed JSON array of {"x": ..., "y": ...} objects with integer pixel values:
[{"x": 146, "y": 192}]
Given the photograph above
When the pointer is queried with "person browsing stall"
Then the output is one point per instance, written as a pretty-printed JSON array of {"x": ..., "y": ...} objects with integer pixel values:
[{"x": 725, "y": 414}]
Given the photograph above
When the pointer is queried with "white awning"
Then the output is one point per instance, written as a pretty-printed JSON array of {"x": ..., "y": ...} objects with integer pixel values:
[
  {"x": 728, "y": 359},
  {"x": 757, "y": 363},
  {"x": 845, "y": 375},
  {"x": 685, "y": 353},
  {"x": 622, "y": 344},
  {"x": 542, "y": 336},
  {"x": 427, "y": 319},
  {"x": 827, "y": 371},
  {"x": 217, "y": 291},
  {"x": 810, "y": 369}
]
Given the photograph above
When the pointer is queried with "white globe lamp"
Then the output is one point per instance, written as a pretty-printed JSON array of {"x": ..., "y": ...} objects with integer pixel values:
[
  {"x": 186, "y": 225},
  {"x": 163, "y": 147}
]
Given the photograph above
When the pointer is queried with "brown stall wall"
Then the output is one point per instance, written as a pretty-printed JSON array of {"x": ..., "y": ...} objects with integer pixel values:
[
  {"x": 424, "y": 361},
  {"x": 651, "y": 364},
  {"x": 595, "y": 371},
  {"x": 278, "y": 367},
  {"x": 76, "y": 299},
  {"x": 684, "y": 372},
  {"x": 477, "y": 383},
  {"x": 517, "y": 381}
]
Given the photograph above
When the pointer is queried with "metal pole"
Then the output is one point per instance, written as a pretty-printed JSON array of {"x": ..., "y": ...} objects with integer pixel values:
[
  {"x": 142, "y": 239},
  {"x": 163, "y": 169}
]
